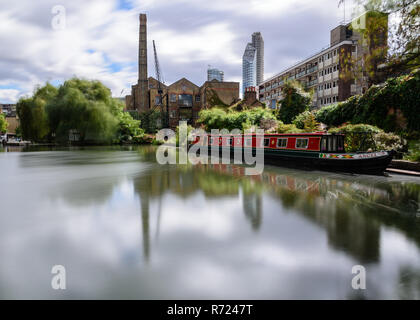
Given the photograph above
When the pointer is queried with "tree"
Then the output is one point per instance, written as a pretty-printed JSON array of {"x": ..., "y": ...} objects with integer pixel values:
[
  {"x": 391, "y": 51},
  {"x": 3, "y": 123},
  {"x": 81, "y": 106},
  {"x": 295, "y": 101},
  {"x": 32, "y": 113}
]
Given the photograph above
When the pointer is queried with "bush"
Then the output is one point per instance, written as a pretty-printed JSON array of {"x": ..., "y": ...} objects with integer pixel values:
[
  {"x": 375, "y": 138},
  {"x": 288, "y": 128},
  {"x": 306, "y": 121},
  {"x": 413, "y": 151},
  {"x": 217, "y": 118},
  {"x": 392, "y": 106}
]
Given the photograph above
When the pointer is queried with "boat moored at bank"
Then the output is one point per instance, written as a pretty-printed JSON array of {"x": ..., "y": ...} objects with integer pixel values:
[{"x": 318, "y": 150}]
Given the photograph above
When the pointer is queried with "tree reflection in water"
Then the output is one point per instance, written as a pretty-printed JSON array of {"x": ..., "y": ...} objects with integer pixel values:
[{"x": 351, "y": 209}]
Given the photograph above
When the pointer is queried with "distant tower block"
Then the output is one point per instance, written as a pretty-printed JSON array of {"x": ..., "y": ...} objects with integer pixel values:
[
  {"x": 142, "y": 101},
  {"x": 258, "y": 43}
]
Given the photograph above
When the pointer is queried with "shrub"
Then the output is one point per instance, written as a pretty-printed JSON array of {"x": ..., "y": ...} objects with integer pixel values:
[
  {"x": 3, "y": 123},
  {"x": 392, "y": 106}
]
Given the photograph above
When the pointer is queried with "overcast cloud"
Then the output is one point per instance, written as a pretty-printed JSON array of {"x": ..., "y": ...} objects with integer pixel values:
[{"x": 101, "y": 37}]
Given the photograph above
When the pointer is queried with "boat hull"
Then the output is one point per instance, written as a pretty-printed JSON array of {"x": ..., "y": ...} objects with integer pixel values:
[{"x": 363, "y": 163}]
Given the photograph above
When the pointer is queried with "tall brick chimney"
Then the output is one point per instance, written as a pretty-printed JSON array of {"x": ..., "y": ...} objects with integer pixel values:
[{"x": 142, "y": 101}]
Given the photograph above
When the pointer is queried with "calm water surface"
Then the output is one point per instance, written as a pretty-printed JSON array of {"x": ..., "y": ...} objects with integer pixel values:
[{"x": 126, "y": 227}]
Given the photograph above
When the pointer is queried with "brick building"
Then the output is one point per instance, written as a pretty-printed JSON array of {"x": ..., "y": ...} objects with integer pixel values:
[{"x": 183, "y": 98}]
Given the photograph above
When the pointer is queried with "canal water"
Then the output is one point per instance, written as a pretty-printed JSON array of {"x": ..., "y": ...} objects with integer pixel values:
[{"x": 124, "y": 226}]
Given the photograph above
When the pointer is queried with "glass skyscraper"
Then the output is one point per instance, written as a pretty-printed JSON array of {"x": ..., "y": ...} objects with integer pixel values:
[{"x": 249, "y": 67}]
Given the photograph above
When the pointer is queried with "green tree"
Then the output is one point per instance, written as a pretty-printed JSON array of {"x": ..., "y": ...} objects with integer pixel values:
[
  {"x": 85, "y": 106},
  {"x": 3, "y": 123},
  {"x": 295, "y": 101},
  {"x": 32, "y": 113},
  {"x": 399, "y": 51}
]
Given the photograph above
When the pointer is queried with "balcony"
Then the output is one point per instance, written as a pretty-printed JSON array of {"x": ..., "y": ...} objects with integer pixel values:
[
  {"x": 335, "y": 59},
  {"x": 327, "y": 92},
  {"x": 291, "y": 78},
  {"x": 327, "y": 62},
  {"x": 275, "y": 85},
  {"x": 335, "y": 90},
  {"x": 320, "y": 65},
  {"x": 262, "y": 90},
  {"x": 327, "y": 77},
  {"x": 300, "y": 74},
  {"x": 281, "y": 82},
  {"x": 335, "y": 74},
  {"x": 312, "y": 83},
  {"x": 313, "y": 69},
  {"x": 320, "y": 93}
]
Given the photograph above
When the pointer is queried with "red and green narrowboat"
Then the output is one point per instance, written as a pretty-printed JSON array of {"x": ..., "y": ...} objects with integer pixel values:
[{"x": 318, "y": 150}]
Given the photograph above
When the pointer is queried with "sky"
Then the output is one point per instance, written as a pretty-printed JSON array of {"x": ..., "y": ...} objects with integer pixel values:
[{"x": 53, "y": 40}]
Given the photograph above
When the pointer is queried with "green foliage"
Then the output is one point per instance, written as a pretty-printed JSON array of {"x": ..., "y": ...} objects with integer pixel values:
[
  {"x": 83, "y": 106},
  {"x": 217, "y": 118},
  {"x": 32, "y": 113},
  {"x": 151, "y": 120},
  {"x": 357, "y": 139},
  {"x": 288, "y": 128},
  {"x": 295, "y": 101},
  {"x": 3, "y": 123},
  {"x": 413, "y": 151},
  {"x": 393, "y": 106},
  {"x": 306, "y": 121}
]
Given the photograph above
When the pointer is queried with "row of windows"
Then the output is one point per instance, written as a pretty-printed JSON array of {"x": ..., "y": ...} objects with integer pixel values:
[
  {"x": 329, "y": 70},
  {"x": 301, "y": 143},
  {"x": 328, "y": 100},
  {"x": 328, "y": 85},
  {"x": 328, "y": 55}
]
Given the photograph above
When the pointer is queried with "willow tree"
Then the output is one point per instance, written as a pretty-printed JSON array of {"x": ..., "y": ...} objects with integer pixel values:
[
  {"x": 32, "y": 113},
  {"x": 3, "y": 123},
  {"x": 85, "y": 107}
]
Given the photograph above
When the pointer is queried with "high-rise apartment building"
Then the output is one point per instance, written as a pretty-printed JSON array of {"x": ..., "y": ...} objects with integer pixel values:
[
  {"x": 258, "y": 43},
  {"x": 215, "y": 74},
  {"x": 249, "y": 67},
  {"x": 321, "y": 71}
]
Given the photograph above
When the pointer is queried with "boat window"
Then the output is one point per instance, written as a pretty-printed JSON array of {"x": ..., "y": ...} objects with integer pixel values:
[
  {"x": 248, "y": 142},
  {"x": 301, "y": 143},
  {"x": 332, "y": 144},
  {"x": 282, "y": 143},
  {"x": 324, "y": 144},
  {"x": 229, "y": 141},
  {"x": 266, "y": 142},
  {"x": 210, "y": 140}
]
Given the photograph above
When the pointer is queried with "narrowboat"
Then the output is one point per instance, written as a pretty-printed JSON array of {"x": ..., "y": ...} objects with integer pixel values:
[{"x": 318, "y": 150}]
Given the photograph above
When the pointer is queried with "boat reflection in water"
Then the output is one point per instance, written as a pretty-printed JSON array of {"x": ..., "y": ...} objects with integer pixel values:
[{"x": 126, "y": 227}]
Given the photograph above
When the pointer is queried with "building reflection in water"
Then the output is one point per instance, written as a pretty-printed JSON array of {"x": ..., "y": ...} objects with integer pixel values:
[{"x": 350, "y": 209}]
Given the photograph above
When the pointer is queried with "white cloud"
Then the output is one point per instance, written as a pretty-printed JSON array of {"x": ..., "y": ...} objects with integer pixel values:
[
  {"x": 8, "y": 95},
  {"x": 100, "y": 42}
]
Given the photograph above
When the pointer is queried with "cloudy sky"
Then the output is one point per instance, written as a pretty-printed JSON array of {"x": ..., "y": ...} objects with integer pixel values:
[{"x": 99, "y": 38}]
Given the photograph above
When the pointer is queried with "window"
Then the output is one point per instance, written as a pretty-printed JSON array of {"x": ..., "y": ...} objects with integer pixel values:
[
  {"x": 248, "y": 143},
  {"x": 210, "y": 141},
  {"x": 229, "y": 141},
  {"x": 282, "y": 143},
  {"x": 301, "y": 143},
  {"x": 185, "y": 100},
  {"x": 157, "y": 101},
  {"x": 197, "y": 98},
  {"x": 172, "y": 97},
  {"x": 266, "y": 142}
]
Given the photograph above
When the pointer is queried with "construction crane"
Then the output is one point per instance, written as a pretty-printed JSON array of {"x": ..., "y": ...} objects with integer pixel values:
[{"x": 159, "y": 78}]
